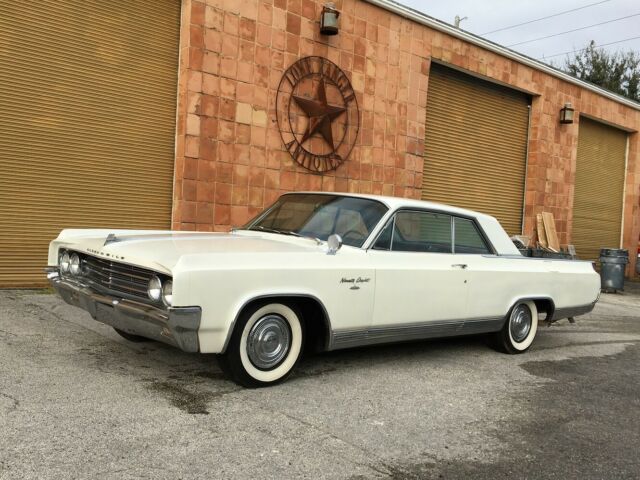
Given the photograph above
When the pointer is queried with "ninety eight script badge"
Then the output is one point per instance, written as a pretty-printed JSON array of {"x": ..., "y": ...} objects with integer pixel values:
[{"x": 317, "y": 114}]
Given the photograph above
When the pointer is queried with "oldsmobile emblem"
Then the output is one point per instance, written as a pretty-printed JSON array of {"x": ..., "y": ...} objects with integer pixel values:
[
  {"x": 104, "y": 254},
  {"x": 317, "y": 114}
]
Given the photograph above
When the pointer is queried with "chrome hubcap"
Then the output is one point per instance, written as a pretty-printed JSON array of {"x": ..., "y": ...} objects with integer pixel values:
[
  {"x": 520, "y": 324},
  {"x": 269, "y": 341}
]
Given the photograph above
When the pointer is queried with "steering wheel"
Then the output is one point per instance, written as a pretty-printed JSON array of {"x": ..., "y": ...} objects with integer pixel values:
[{"x": 359, "y": 235}]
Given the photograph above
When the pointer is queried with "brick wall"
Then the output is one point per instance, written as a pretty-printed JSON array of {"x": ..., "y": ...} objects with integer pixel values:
[{"x": 230, "y": 161}]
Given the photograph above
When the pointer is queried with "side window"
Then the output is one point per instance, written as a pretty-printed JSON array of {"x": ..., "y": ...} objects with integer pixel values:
[
  {"x": 468, "y": 238},
  {"x": 421, "y": 232}
]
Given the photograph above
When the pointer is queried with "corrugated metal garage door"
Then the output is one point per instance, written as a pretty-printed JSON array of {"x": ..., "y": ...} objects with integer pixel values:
[
  {"x": 475, "y": 146},
  {"x": 598, "y": 195},
  {"x": 87, "y": 131}
]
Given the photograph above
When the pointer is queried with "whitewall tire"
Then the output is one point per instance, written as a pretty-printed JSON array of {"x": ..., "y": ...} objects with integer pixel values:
[
  {"x": 265, "y": 346},
  {"x": 519, "y": 330}
]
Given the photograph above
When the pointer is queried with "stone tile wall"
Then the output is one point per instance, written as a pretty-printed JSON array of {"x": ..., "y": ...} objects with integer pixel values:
[{"x": 230, "y": 160}]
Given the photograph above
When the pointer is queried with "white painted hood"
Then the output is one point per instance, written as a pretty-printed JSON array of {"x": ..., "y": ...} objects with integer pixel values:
[{"x": 161, "y": 250}]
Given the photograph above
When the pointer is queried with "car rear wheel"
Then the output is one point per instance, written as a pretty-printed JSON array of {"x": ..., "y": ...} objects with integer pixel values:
[
  {"x": 130, "y": 336},
  {"x": 265, "y": 346},
  {"x": 519, "y": 330}
]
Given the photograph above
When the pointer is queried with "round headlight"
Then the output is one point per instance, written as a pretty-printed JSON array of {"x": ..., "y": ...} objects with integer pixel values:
[
  {"x": 74, "y": 264},
  {"x": 64, "y": 262},
  {"x": 154, "y": 289},
  {"x": 167, "y": 293}
]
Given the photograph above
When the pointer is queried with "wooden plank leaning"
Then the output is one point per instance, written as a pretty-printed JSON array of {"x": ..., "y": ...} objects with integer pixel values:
[
  {"x": 550, "y": 231},
  {"x": 542, "y": 236}
]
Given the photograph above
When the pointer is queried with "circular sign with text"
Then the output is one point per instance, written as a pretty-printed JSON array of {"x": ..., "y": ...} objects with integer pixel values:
[{"x": 317, "y": 114}]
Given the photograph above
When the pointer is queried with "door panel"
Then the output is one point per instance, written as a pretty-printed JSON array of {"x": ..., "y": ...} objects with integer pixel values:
[
  {"x": 415, "y": 287},
  {"x": 491, "y": 285}
]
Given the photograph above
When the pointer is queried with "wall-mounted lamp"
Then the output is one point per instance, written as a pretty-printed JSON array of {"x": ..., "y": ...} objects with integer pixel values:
[
  {"x": 566, "y": 113},
  {"x": 329, "y": 19}
]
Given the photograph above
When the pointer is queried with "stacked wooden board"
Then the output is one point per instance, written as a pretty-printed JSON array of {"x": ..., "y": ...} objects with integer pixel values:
[{"x": 547, "y": 234}]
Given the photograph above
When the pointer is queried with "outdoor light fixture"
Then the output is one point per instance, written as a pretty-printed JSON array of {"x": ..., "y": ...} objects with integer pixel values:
[
  {"x": 329, "y": 19},
  {"x": 566, "y": 113}
]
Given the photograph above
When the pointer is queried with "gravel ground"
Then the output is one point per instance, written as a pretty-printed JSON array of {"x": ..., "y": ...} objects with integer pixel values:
[{"x": 77, "y": 401}]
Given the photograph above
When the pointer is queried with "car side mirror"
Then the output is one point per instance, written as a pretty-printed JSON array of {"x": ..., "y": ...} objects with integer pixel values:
[{"x": 334, "y": 242}]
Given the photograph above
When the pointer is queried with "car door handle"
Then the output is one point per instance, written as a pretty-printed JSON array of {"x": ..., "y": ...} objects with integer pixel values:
[{"x": 460, "y": 265}]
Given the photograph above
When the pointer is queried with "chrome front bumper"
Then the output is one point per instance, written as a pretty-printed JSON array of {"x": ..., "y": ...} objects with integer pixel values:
[{"x": 177, "y": 326}]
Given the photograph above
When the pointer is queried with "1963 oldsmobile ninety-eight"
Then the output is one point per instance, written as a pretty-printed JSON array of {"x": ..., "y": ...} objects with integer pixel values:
[{"x": 320, "y": 271}]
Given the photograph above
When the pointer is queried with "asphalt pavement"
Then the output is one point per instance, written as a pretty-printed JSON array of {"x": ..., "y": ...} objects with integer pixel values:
[{"x": 78, "y": 401}]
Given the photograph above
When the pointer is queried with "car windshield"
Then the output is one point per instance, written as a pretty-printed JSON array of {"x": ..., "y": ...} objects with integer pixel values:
[{"x": 320, "y": 215}]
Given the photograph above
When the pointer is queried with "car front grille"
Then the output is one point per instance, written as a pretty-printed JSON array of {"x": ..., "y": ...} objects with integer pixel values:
[{"x": 116, "y": 278}]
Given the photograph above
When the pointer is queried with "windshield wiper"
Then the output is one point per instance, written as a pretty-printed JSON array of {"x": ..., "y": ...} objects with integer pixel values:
[
  {"x": 285, "y": 232},
  {"x": 299, "y": 235},
  {"x": 269, "y": 230}
]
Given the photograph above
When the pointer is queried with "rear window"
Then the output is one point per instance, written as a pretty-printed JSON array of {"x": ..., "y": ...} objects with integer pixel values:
[{"x": 467, "y": 237}]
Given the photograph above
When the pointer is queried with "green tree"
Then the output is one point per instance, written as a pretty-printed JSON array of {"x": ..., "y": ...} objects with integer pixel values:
[{"x": 616, "y": 71}]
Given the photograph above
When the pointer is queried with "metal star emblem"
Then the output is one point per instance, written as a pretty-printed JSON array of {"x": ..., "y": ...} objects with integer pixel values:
[{"x": 320, "y": 114}]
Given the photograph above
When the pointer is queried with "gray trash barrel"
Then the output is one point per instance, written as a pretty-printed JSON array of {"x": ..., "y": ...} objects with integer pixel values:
[{"x": 613, "y": 262}]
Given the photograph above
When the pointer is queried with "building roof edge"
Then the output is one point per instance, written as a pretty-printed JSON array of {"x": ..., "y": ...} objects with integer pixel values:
[{"x": 436, "y": 24}]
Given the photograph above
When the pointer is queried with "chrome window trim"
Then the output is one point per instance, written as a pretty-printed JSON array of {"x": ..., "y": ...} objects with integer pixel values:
[
  {"x": 453, "y": 235},
  {"x": 393, "y": 229}
]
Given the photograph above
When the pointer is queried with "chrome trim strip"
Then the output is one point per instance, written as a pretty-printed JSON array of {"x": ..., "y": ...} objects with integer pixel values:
[
  {"x": 567, "y": 312},
  {"x": 415, "y": 331},
  {"x": 177, "y": 326},
  {"x": 514, "y": 256}
]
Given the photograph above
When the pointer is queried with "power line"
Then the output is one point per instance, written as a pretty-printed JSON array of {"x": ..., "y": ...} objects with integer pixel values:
[
  {"x": 574, "y": 30},
  {"x": 582, "y": 49},
  {"x": 544, "y": 18}
]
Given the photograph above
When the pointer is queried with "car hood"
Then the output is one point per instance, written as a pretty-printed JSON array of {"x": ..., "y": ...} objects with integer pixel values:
[{"x": 162, "y": 250}]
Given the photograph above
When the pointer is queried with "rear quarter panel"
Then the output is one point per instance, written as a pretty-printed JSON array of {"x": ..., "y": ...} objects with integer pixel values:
[{"x": 497, "y": 283}]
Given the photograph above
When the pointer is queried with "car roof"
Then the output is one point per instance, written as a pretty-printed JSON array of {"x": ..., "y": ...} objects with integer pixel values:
[{"x": 397, "y": 202}]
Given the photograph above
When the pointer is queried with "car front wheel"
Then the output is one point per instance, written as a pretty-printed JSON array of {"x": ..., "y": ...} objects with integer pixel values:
[
  {"x": 519, "y": 330},
  {"x": 265, "y": 345}
]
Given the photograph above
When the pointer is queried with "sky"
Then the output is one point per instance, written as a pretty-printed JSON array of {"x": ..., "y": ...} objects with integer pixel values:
[{"x": 488, "y": 15}]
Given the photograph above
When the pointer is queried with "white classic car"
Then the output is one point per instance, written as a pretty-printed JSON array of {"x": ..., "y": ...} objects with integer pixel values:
[{"x": 321, "y": 271}]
